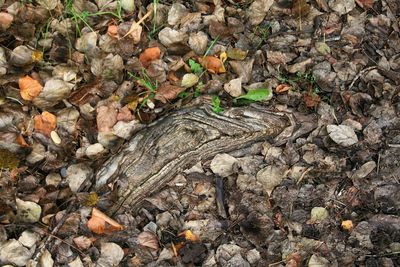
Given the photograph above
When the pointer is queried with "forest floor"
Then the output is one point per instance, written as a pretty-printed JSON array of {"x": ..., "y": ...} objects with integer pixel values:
[{"x": 79, "y": 78}]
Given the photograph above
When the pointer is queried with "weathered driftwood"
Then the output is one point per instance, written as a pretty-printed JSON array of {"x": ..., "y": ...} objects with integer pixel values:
[{"x": 157, "y": 153}]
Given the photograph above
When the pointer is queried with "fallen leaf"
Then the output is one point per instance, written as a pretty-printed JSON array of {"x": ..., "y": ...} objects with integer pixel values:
[
  {"x": 342, "y": 134},
  {"x": 106, "y": 117},
  {"x": 100, "y": 223},
  {"x": 257, "y": 94},
  {"x": 8, "y": 160},
  {"x": 236, "y": 54},
  {"x": 212, "y": 64},
  {"x": 29, "y": 88},
  {"x": 5, "y": 20},
  {"x": 300, "y": 8},
  {"x": 189, "y": 79},
  {"x": 167, "y": 92},
  {"x": 311, "y": 99},
  {"x": 347, "y": 225},
  {"x": 366, "y": 4},
  {"x": 45, "y": 123},
  {"x": 148, "y": 55},
  {"x": 112, "y": 30},
  {"x": 148, "y": 239},
  {"x": 282, "y": 88},
  {"x": 323, "y": 48},
  {"x": 189, "y": 236}
]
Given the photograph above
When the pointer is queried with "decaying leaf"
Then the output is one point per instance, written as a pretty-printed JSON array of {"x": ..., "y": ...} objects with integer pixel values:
[
  {"x": 167, "y": 92},
  {"x": 100, "y": 223},
  {"x": 236, "y": 54},
  {"x": 8, "y": 160},
  {"x": 300, "y": 8},
  {"x": 148, "y": 239},
  {"x": 45, "y": 123},
  {"x": 112, "y": 30},
  {"x": 212, "y": 64},
  {"x": 189, "y": 79},
  {"x": 29, "y": 88},
  {"x": 106, "y": 117},
  {"x": 342, "y": 134},
  {"x": 311, "y": 99},
  {"x": 148, "y": 55}
]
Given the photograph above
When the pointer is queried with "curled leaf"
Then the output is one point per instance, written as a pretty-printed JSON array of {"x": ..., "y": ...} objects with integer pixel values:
[
  {"x": 100, "y": 223},
  {"x": 29, "y": 88},
  {"x": 148, "y": 55},
  {"x": 212, "y": 64},
  {"x": 45, "y": 123}
]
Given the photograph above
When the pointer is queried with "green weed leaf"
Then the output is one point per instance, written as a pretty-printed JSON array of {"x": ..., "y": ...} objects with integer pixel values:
[
  {"x": 256, "y": 94},
  {"x": 195, "y": 67},
  {"x": 216, "y": 104}
]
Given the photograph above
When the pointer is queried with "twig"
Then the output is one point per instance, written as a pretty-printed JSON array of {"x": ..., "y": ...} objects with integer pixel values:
[
  {"x": 304, "y": 174},
  {"x": 359, "y": 75},
  {"x": 135, "y": 24}
]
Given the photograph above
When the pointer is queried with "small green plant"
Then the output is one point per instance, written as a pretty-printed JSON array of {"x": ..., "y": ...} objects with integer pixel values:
[
  {"x": 82, "y": 17},
  {"x": 195, "y": 67},
  {"x": 263, "y": 33},
  {"x": 145, "y": 81},
  {"x": 216, "y": 104}
]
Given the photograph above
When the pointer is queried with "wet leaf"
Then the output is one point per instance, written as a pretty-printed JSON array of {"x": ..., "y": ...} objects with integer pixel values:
[
  {"x": 100, "y": 223},
  {"x": 212, "y": 64},
  {"x": 236, "y": 54},
  {"x": 45, "y": 123},
  {"x": 29, "y": 88},
  {"x": 148, "y": 239},
  {"x": 257, "y": 94},
  {"x": 148, "y": 55}
]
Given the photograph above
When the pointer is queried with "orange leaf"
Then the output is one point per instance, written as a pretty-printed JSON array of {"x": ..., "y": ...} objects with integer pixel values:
[
  {"x": 45, "y": 123},
  {"x": 212, "y": 64},
  {"x": 167, "y": 92},
  {"x": 148, "y": 55},
  {"x": 112, "y": 30},
  {"x": 29, "y": 88},
  {"x": 282, "y": 88},
  {"x": 100, "y": 223},
  {"x": 189, "y": 236}
]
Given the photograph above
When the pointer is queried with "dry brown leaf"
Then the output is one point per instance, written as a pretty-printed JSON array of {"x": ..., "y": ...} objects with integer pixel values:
[
  {"x": 106, "y": 117},
  {"x": 29, "y": 88},
  {"x": 45, "y": 123},
  {"x": 148, "y": 239},
  {"x": 300, "y": 8},
  {"x": 212, "y": 64},
  {"x": 148, "y": 55},
  {"x": 100, "y": 223},
  {"x": 366, "y": 4},
  {"x": 167, "y": 92},
  {"x": 311, "y": 99}
]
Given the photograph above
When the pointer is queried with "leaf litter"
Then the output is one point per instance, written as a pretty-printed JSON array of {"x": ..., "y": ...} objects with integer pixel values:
[{"x": 79, "y": 78}]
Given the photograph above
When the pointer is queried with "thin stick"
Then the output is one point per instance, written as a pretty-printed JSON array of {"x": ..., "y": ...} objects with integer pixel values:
[{"x": 135, "y": 24}]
